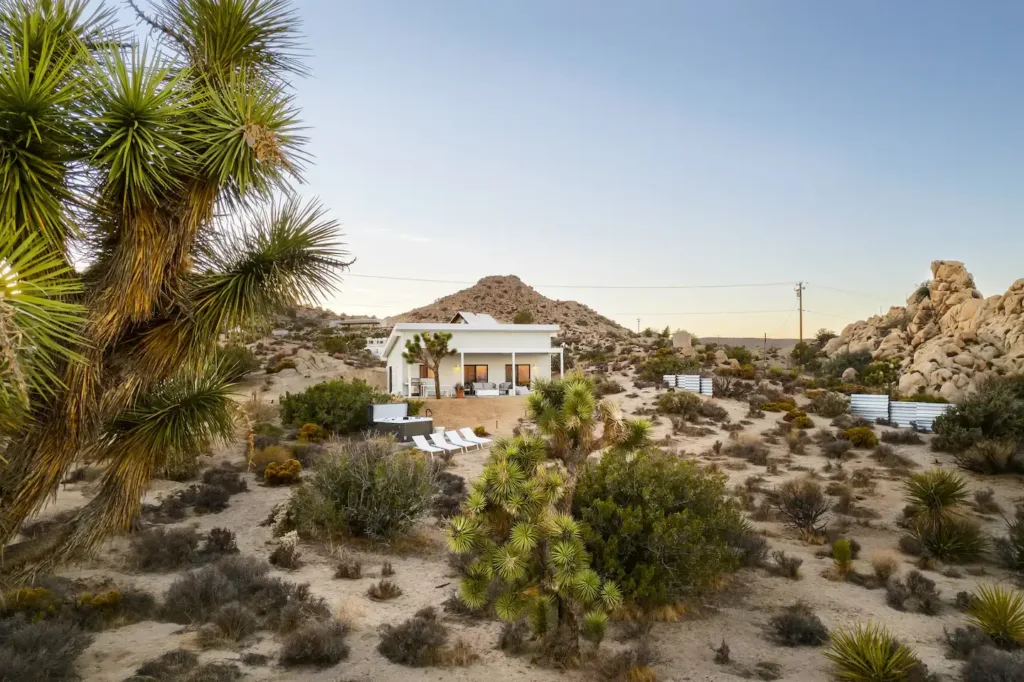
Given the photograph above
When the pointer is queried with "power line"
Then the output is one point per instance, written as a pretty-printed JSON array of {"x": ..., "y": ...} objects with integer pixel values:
[
  {"x": 814, "y": 312},
  {"x": 720, "y": 312},
  {"x": 580, "y": 286},
  {"x": 788, "y": 318},
  {"x": 850, "y": 293}
]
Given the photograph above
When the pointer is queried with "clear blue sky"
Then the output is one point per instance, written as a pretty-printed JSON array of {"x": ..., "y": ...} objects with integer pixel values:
[{"x": 847, "y": 144}]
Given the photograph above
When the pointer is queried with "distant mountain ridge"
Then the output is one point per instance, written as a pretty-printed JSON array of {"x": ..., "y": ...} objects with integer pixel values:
[{"x": 505, "y": 295}]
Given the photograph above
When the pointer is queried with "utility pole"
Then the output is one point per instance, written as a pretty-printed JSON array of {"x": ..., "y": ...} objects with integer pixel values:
[
  {"x": 638, "y": 325},
  {"x": 799, "y": 289}
]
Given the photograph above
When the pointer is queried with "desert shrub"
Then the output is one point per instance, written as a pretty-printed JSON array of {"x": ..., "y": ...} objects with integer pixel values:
[
  {"x": 748, "y": 546},
  {"x": 319, "y": 644},
  {"x": 605, "y": 385},
  {"x": 234, "y": 621},
  {"x": 680, "y": 402},
  {"x": 1010, "y": 550},
  {"x": 236, "y": 361},
  {"x": 837, "y": 449},
  {"x": 793, "y": 414},
  {"x": 870, "y": 654},
  {"x": 964, "y": 642},
  {"x": 667, "y": 361},
  {"x": 901, "y": 437},
  {"x": 286, "y": 554},
  {"x": 207, "y": 499},
  {"x": 160, "y": 549},
  {"x": 419, "y": 641},
  {"x": 180, "y": 466},
  {"x": 830, "y": 404},
  {"x": 386, "y": 570},
  {"x": 985, "y": 501},
  {"x": 749, "y": 448},
  {"x": 710, "y": 410},
  {"x": 656, "y": 524},
  {"x": 859, "y": 437},
  {"x": 804, "y": 504},
  {"x": 842, "y": 556},
  {"x": 993, "y": 665},
  {"x": 272, "y": 454},
  {"x": 348, "y": 569},
  {"x": 786, "y": 566},
  {"x": 339, "y": 406},
  {"x": 366, "y": 489},
  {"x": 41, "y": 651},
  {"x": 172, "y": 666},
  {"x": 480, "y": 431},
  {"x": 514, "y": 636},
  {"x": 797, "y": 441},
  {"x": 887, "y": 456},
  {"x": 989, "y": 457},
  {"x": 219, "y": 541},
  {"x": 916, "y": 593},
  {"x": 798, "y": 626},
  {"x": 285, "y": 473},
  {"x": 228, "y": 479},
  {"x": 451, "y": 493},
  {"x": 383, "y": 591},
  {"x": 312, "y": 433},
  {"x": 999, "y": 612},
  {"x": 995, "y": 412},
  {"x": 884, "y": 565},
  {"x": 803, "y": 422},
  {"x": 840, "y": 362}
]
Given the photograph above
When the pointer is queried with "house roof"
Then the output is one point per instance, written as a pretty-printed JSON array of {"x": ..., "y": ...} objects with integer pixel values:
[
  {"x": 480, "y": 319},
  {"x": 463, "y": 327}
]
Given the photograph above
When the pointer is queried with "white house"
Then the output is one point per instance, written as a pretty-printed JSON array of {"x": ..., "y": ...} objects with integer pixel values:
[
  {"x": 490, "y": 358},
  {"x": 375, "y": 344}
]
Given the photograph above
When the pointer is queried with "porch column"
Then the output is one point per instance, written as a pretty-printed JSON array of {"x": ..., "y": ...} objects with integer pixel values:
[
  {"x": 408, "y": 381},
  {"x": 513, "y": 372},
  {"x": 462, "y": 366},
  {"x": 561, "y": 362}
]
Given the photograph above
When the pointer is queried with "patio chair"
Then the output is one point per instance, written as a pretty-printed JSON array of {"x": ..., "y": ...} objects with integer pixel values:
[
  {"x": 421, "y": 444},
  {"x": 438, "y": 440},
  {"x": 468, "y": 434},
  {"x": 456, "y": 439}
]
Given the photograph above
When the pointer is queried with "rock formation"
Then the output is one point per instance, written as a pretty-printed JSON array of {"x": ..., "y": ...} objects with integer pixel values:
[{"x": 951, "y": 339}]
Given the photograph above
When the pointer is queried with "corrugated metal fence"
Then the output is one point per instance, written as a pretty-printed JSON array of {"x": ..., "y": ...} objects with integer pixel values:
[
  {"x": 871, "y": 407},
  {"x": 688, "y": 382},
  {"x": 902, "y": 414},
  {"x": 707, "y": 386},
  {"x": 693, "y": 383}
]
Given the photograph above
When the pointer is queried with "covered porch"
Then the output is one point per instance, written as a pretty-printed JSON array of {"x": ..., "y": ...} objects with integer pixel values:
[{"x": 485, "y": 372}]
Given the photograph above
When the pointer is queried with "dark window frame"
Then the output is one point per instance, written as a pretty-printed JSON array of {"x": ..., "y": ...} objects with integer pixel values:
[
  {"x": 476, "y": 380},
  {"x": 529, "y": 374},
  {"x": 426, "y": 372}
]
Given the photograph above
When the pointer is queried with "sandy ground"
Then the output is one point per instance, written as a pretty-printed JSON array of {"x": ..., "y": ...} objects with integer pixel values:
[{"x": 738, "y": 615}]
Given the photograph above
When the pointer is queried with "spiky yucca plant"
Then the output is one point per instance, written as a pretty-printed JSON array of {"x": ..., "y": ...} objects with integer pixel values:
[
  {"x": 937, "y": 524},
  {"x": 999, "y": 612},
  {"x": 524, "y": 556},
  {"x": 161, "y": 170},
  {"x": 868, "y": 653}
]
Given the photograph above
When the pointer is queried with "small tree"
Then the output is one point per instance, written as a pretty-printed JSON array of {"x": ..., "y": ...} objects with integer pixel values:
[
  {"x": 429, "y": 349},
  {"x": 523, "y": 317},
  {"x": 525, "y": 557}
]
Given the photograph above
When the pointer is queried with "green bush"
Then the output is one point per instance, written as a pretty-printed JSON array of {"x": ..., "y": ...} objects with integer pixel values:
[
  {"x": 839, "y": 363},
  {"x": 680, "y": 402},
  {"x": 343, "y": 344},
  {"x": 995, "y": 412},
  {"x": 803, "y": 422},
  {"x": 278, "y": 365},
  {"x": 667, "y": 361},
  {"x": 657, "y": 525},
  {"x": 366, "y": 489},
  {"x": 859, "y": 436},
  {"x": 740, "y": 354},
  {"x": 937, "y": 528},
  {"x": 805, "y": 354},
  {"x": 236, "y": 361},
  {"x": 830, "y": 404},
  {"x": 339, "y": 406},
  {"x": 990, "y": 457},
  {"x": 999, "y": 613}
]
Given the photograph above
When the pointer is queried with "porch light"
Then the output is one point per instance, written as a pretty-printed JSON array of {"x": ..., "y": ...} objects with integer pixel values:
[{"x": 456, "y": 369}]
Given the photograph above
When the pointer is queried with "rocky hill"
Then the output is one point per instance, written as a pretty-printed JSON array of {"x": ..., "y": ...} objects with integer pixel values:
[
  {"x": 950, "y": 338},
  {"x": 504, "y": 296}
]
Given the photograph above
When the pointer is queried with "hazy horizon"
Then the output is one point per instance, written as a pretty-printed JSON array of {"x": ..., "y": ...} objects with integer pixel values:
[{"x": 847, "y": 145}]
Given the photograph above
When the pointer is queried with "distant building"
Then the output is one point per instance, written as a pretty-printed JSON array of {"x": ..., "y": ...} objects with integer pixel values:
[
  {"x": 356, "y": 323},
  {"x": 376, "y": 345},
  {"x": 683, "y": 342},
  {"x": 280, "y": 332}
]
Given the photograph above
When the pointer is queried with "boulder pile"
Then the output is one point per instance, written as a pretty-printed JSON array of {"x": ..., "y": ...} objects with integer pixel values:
[{"x": 949, "y": 337}]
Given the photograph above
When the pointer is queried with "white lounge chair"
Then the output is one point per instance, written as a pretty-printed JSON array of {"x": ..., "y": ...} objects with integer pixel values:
[
  {"x": 455, "y": 438},
  {"x": 468, "y": 434},
  {"x": 421, "y": 444},
  {"x": 438, "y": 440}
]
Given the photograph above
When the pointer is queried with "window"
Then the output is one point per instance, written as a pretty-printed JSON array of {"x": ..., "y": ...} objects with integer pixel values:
[
  {"x": 522, "y": 374},
  {"x": 426, "y": 372},
  {"x": 474, "y": 374}
]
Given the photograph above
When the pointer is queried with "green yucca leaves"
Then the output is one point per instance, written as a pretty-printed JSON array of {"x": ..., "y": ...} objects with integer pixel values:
[
  {"x": 473, "y": 592},
  {"x": 611, "y": 595},
  {"x": 587, "y": 586},
  {"x": 509, "y": 564},
  {"x": 936, "y": 491},
  {"x": 999, "y": 612},
  {"x": 870, "y": 654},
  {"x": 509, "y": 606},
  {"x": 595, "y": 625},
  {"x": 524, "y": 537},
  {"x": 462, "y": 533}
]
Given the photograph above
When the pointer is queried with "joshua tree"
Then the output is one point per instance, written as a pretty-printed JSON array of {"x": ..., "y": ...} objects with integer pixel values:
[
  {"x": 524, "y": 556},
  {"x": 158, "y": 171},
  {"x": 429, "y": 349},
  {"x": 568, "y": 414}
]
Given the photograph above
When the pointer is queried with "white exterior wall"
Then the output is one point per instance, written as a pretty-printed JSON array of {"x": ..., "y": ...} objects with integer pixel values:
[{"x": 497, "y": 345}]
